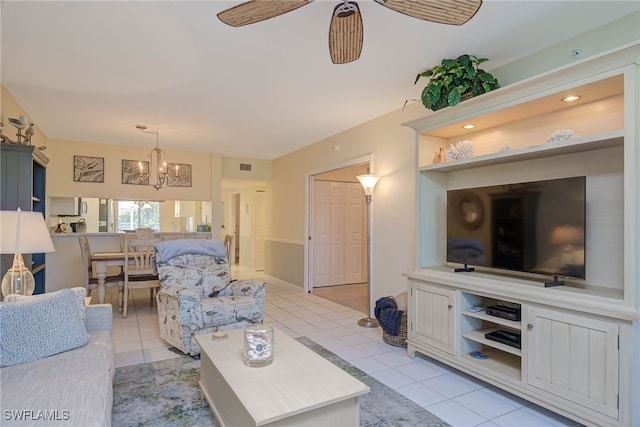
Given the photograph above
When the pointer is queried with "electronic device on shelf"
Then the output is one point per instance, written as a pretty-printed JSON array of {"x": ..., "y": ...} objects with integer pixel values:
[
  {"x": 505, "y": 337},
  {"x": 516, "y": 226},
  {"x": 509, "y": 313}
]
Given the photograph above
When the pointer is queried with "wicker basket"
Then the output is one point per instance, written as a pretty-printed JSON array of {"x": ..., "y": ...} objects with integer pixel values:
[{"x": 399, "y": 340}]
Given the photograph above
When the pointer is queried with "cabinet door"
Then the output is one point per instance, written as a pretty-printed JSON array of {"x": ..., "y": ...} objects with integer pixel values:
[
  {"x": 431, "y": 316},
  {"x": 574, "y": 357}
]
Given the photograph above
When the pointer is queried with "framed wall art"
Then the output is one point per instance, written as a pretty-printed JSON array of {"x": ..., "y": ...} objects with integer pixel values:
[
  {"x": 179, "y": 175},
  {"x": 135, "y": 172},
  {"x": 88, "y": 169}
]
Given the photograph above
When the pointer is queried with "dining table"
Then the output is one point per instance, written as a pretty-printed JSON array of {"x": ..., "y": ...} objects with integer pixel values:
[{"x": 102, "y": 261}]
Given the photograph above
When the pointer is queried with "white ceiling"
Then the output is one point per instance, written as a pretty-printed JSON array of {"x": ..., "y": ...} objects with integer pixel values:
[{"x": 92, "y": 70}]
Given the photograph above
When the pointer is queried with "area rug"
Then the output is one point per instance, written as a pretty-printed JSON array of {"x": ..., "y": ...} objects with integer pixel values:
[{"x": 166, "y": 393}]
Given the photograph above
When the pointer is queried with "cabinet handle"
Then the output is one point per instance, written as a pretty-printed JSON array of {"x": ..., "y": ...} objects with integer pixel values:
[
  {"x": 529, "y": 326},
  {"x": 450, "y": 306}
]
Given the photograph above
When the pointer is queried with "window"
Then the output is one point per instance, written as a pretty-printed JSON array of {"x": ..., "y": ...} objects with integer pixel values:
[{"x": 134, "y": 214}]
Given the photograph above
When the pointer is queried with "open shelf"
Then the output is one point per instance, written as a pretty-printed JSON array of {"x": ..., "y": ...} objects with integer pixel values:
[
  {"x": 499, "y": 362},
  {"x": 493, "y": 319},
  {"x": 573, "y": 145},
  {"x": 478, "y": 336}
]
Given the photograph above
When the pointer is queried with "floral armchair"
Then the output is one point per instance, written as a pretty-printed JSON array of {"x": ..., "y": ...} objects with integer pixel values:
[{"x": 197, "y": 295}]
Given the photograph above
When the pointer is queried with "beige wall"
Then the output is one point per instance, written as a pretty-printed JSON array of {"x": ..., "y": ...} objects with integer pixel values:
[
  {"x": 11, "y": 109},
  {"x": 260, "y": 169},
  {"x": 393, "y": 208},
  {"x": 60, "y": 172}
]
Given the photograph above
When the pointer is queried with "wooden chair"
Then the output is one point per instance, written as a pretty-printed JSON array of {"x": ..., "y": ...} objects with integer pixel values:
[
  {"x": 91, "y": 282},
  {"x": 138, "y": 271}
]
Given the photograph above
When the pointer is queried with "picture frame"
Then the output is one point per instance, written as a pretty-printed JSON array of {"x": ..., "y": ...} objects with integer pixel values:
[
  {"x": 179, "y": 175},
  {"x": 135, "y": 172},
  {"x": 88, "y": 169}
]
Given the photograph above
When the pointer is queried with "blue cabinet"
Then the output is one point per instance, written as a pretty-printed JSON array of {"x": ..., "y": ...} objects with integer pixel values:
[{"x": 23, "y": 184}]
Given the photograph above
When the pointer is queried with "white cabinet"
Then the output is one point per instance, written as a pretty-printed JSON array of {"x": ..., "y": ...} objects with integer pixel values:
[
  {"x": 431, "y": 317},
  {"x": 580, "y": 343},
  {"x": 574, "y": 357}
]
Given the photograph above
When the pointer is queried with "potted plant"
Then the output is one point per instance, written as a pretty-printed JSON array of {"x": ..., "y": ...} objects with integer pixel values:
[{"x": 454, "y": 80}]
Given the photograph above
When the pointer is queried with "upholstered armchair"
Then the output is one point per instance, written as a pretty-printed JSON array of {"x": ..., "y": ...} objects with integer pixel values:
[{"x": 197, "y": 295}]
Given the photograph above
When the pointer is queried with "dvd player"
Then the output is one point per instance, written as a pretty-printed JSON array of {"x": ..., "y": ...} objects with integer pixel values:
[
  {"x": 505, "y": 312},
  {"x": 505, "y": 337}
]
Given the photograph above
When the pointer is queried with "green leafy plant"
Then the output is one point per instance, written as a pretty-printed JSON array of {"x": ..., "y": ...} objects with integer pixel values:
[{"x": 453, "y": 79}]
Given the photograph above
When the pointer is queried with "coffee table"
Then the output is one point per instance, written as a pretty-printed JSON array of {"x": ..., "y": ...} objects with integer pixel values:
[{"x": 300, "y": 388}]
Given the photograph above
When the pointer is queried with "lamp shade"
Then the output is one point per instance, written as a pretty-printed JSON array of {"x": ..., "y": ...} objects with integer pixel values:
[
  {"x": 368, "y": 183},
  {"x": 567, "y": 235},
  {"x": 24, "y": 233}
]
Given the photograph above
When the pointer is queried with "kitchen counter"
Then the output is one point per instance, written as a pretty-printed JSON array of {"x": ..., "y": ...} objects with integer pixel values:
[
  {"x": 64, "y": 266},
  {"x": 159, "y": 234}
]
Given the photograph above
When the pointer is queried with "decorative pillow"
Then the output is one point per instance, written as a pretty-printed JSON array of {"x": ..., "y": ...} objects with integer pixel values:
[
  {"x": 80, "y": 293},
  {"x": 40, "y": 326}
]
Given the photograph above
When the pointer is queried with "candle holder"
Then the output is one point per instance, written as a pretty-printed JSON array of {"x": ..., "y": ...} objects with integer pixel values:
[{"x": 258, "y": 346}]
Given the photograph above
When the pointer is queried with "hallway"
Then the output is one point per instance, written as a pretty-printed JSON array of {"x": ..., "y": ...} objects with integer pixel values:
[{"x": 353, "y": 296}]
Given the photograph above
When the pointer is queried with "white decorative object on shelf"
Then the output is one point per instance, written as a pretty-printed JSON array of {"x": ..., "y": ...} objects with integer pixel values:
[
  {"x": 461, "y": 150},
  {"x": 561, "y": 135}
]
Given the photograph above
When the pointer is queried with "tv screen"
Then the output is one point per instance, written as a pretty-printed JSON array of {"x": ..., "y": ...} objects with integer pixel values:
[{"x": 533, "y": 227}]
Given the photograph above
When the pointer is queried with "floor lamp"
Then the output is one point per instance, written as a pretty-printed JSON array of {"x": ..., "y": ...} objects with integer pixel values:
[{"x": 368, "y": 183}]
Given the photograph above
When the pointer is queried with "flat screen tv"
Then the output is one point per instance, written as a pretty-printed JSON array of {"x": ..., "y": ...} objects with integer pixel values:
[{"x": 528, "y": 227}]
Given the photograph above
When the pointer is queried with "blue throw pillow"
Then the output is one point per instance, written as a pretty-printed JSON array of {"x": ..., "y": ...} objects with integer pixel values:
[{"x": 40, "y": 326}]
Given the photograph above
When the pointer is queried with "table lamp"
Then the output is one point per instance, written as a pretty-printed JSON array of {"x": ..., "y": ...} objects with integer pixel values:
[
  {"x": 22, "y": 232},
  {"x": 567, "y": 236}
]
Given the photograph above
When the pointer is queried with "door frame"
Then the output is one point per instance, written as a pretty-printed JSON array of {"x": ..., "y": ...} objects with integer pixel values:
[{"x": 308, "y": 198}]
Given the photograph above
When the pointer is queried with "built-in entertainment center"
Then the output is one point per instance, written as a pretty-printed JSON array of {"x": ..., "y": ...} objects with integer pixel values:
[{"x": 527, "y": 270}]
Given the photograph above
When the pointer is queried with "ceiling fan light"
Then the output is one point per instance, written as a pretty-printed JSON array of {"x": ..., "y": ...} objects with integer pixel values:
[
  {"x": 453, "y": 12},
  {"x": 346, "y": 33}
]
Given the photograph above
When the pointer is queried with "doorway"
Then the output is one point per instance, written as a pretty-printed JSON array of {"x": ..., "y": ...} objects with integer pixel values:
[{"x": 336, "y": 260}]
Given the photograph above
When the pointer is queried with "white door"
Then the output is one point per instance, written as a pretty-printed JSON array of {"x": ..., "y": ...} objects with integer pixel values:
[
  {"x": 574, "y": 357},
  {"x": 354, "y": 233},
  {"x": 337, "y": 241},
  {"x": 431, "y": 316},
  {"x": 320, "y": 234}
]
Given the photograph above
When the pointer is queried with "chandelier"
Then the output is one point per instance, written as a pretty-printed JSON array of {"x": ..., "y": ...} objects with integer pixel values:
[{"x": 160, "y": 160}]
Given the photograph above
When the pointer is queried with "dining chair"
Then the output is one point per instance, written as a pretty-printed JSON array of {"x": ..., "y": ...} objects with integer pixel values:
[
  {"x": 138, "y": 270},
  {"x": 144, "y": 233},
  {"x": 91, "y": 282},
  {"x": 138, "y": 233},
  {"x": 228, "y": 246}
]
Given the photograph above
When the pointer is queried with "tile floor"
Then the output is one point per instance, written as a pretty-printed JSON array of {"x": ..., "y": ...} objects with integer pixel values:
[{"x": 455, "y": 397}]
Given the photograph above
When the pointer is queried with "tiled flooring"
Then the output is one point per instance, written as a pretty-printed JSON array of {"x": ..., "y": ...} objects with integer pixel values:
[{"x": 455, "y": 397}]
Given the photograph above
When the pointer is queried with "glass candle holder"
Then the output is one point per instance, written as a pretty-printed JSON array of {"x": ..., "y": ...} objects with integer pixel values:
[{"x": 258, "y": 346}]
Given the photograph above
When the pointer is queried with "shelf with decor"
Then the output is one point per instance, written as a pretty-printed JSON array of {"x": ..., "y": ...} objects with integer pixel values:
[
  {"x": 526, "y": 134},
  {"x": 574, "y": 145}
]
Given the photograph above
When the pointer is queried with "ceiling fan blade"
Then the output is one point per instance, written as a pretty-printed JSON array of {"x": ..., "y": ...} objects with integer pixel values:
[
  {"x": 345, "y": 33},
  {"x": 454, "y": 12},
  {"x": 258, "y": 10}
]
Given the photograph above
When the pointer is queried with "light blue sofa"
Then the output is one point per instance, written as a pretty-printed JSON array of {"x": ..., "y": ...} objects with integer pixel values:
[{"x": 71, "y": 388}]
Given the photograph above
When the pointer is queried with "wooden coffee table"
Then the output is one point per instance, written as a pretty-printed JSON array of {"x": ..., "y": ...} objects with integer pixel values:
[{"x": 300, "y": 388}]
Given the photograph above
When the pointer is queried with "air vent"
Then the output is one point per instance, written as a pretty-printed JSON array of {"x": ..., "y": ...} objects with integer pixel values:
[{"x": 245, "y": 166}]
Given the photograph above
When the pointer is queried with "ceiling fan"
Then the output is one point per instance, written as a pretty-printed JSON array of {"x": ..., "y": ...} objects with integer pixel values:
[{"x": 345, "y": 30}]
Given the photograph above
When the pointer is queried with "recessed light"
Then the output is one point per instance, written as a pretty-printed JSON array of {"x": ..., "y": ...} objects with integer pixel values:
[
  {"x": 469, "y": 126},
  {"x": 570, "y": 98}
]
